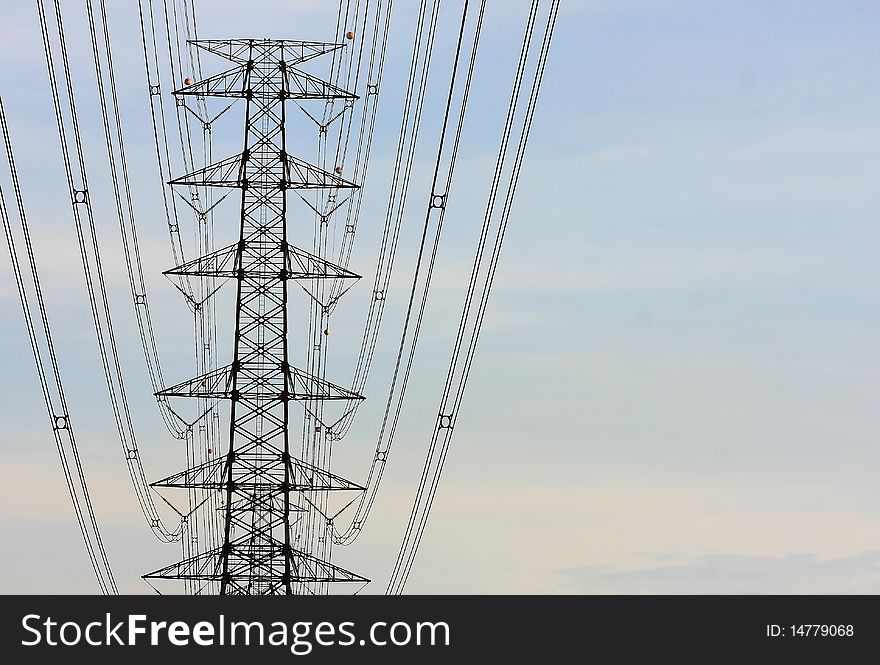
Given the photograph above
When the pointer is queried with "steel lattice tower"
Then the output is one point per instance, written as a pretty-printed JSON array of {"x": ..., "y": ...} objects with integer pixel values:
[{"x": 266, "y": 487}]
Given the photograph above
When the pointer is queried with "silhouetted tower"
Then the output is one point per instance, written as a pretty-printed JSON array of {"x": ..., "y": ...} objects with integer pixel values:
[{"x": 265, "y": 486}]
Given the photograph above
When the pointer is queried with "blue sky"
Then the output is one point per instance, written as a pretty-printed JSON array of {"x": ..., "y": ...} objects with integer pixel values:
[{"x": 675, "y": 386}]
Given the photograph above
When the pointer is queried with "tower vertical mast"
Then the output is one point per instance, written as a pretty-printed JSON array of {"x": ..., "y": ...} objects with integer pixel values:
[{"x": 266, "y": 487}]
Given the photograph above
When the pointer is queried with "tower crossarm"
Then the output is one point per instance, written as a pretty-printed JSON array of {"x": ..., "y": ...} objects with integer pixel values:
[
  {"x": 224, "y": 263},
  {"x": 242, "y": 51}
]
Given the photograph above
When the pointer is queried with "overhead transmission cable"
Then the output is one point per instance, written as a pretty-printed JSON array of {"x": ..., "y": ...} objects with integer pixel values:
[
  {"x": 414, "y": 101},
  {"x": 49, "y": 374},
  {"x": 166, "y": 69},
  {"x": 482, "y": 277},
  {"x": 93, "y": 271},
  {"x": 205, "y": 333},
  {"x": 316, "y": 440},
  {"x": 314, "y": 450},
  {"x": 125, "y": 208},
  {"x": 447, "y": 153},
  {"x": 161, "y": 142},
  {"x": 367, "y": 127},
  {"x": 348, "y": 71},
  {"x": 366, "y": 131},
  {"x": 207, "y": 519}
]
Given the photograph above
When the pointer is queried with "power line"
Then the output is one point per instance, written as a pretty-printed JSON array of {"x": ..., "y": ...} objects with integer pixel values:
[
  {"x": 160, "y": 139},
  {"x": 310, "y": 534},
  {"x": 460, "y": 365},
  {"x": 93, "y": 270},
  {"x": 47, "y": 365},
  {"x": 420, "y": 65},
  {"x": 447, "y": 153},
  {"x": 125, "y": 209},
  {"x": 202, "y": 516},
  {"x": 370, "y": 21}
]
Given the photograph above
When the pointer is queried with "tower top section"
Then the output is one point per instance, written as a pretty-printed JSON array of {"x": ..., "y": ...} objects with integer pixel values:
[
  {"x": 257, "y": 64},
  {"x": 241, "y": 51}
]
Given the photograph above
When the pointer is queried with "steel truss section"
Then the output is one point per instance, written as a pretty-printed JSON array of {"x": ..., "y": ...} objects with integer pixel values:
[{"x": 266, "y": 488}]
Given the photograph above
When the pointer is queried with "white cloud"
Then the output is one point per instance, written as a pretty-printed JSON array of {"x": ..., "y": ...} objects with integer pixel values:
[{"x": 735, "y": 574}]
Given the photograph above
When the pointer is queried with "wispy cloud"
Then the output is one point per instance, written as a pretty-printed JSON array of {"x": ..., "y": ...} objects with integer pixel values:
[{"x": 734, "y": 574}]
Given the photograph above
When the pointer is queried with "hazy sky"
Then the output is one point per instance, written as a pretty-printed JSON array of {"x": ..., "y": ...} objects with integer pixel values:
[{"x": 676, "y": 385}]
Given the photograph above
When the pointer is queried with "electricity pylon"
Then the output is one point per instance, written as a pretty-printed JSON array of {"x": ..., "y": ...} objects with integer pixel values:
[{"x": 265, "y": 486}]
